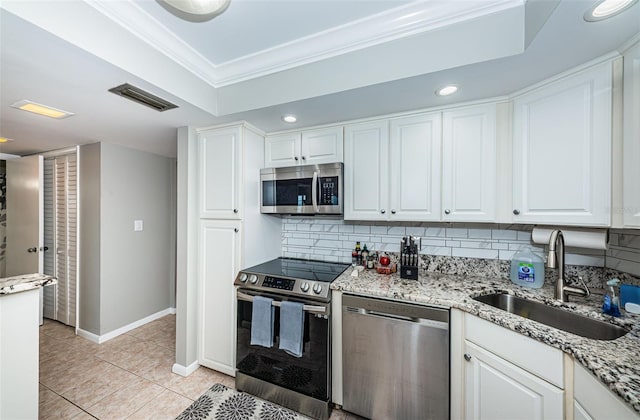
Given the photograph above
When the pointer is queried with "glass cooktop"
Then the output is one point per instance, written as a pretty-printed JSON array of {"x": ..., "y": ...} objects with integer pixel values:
[{"x": 321, "y": 271}]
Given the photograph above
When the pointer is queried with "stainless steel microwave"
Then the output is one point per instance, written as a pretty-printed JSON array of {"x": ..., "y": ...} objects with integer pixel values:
[{"x": 310, "y": 189}]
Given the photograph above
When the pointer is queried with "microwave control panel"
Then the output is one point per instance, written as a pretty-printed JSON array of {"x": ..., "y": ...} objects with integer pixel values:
[{"x": 328, "y": 191}]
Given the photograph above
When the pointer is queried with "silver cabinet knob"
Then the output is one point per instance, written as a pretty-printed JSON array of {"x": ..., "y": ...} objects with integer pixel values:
[
  {"x": 304, "y": 158},
  {"x": 467, "y": 357},
  {"x": 295, "y": 157},
  {"x": 447, "y": 211},
  {"x": 393, "y": 211},
  {"x": 236, "y": 230},
  {"x": 235, "y": 211},
  {"x": 516, "y": 212},
  {"x": 383, "y": 211}
]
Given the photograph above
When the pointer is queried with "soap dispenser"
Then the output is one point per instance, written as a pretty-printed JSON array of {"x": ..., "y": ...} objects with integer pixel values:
[{"x": 611, "y": 305}]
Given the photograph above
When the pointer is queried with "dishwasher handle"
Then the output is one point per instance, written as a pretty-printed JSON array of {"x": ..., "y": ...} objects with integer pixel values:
[
  {"x": 420, "y": 321},
  {"x": 395, "y": 310}
]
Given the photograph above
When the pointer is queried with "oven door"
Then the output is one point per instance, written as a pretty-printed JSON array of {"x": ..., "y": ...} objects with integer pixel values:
[{"x": 309, "y": 374}]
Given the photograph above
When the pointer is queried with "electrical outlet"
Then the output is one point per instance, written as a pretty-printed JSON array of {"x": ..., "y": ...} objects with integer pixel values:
[{"x": 138, "y": 225}]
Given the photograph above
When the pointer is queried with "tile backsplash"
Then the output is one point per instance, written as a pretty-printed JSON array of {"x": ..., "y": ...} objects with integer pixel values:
[
  {"x": 624, "y": 251},
  {"x": 330, "y": 238}
]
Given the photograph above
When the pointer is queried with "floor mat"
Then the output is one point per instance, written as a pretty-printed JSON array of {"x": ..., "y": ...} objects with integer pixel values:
[{"x": 222, "y": 403}]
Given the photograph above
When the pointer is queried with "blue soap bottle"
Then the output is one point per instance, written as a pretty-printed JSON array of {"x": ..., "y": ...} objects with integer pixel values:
[{"x": 611, "y": 305}]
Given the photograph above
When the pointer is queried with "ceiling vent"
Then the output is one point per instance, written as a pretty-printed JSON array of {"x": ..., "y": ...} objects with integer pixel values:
[{"x": 142, "y": 97}]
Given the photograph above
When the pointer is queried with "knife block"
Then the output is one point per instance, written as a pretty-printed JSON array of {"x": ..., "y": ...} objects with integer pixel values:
[{"x": 407, "y": 268}]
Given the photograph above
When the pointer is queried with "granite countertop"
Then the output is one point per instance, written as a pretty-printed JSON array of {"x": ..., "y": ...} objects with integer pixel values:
[
  {"x": 616, "y": 363},
  {"x": 24, "y": 282}
]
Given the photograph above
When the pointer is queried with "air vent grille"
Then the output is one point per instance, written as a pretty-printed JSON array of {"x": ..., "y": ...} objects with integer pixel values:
[{"x": 142, "y": 97}]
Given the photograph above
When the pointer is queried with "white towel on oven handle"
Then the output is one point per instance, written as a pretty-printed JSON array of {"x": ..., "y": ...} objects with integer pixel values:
[
  {"x": 262, "y": 314},
  {"x": 292, "y": 327}
]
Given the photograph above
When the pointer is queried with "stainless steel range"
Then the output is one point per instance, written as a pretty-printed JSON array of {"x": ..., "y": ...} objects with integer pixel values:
[{"x": 300, "y": 383}]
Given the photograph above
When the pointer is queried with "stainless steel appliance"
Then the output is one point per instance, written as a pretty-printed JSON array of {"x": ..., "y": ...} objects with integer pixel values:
[
  {"x": 310, "y": 189},
  {"x": 395, "y": 359},
  {"x": 302, "y": 384}
]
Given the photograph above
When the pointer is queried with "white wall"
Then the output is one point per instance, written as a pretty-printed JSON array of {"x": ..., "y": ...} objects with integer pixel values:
[{"x": 135, "y": 267}]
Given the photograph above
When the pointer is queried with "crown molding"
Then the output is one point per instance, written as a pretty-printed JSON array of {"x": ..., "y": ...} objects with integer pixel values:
[
  {"x": 136, "y": 20},
  {"x": 394, "y": 24}
]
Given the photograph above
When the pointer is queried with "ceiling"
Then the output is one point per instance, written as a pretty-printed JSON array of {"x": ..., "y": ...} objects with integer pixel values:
[{"x": 325, "y": 61}]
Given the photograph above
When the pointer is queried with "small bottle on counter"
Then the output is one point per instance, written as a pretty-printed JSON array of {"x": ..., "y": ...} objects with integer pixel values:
[
  {"x": 354, "y": 258},
  {"x": 365, "y": 255}
]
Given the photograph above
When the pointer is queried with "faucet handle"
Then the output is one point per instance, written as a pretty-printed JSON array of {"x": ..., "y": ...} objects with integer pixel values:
[{"x": 586, "y": 289}]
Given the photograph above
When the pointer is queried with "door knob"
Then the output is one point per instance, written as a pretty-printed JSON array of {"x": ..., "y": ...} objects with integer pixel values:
[
  {"x": 34, "y": 249},
  {"x": 467, "y": 357}
]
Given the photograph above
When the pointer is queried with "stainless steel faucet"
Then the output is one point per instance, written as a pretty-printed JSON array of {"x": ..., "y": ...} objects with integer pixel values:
[{"x": 556, "y": 259}]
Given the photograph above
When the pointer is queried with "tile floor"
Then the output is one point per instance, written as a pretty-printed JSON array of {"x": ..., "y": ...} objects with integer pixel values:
[{"x": 128, "y": 377}]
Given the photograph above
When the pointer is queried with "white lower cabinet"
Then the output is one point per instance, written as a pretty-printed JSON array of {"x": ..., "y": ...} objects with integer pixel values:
[
  {"x": 505, "y": 375},
  {"x": 498, "y": 389},
  {"x": 219, "y": 262},
  {"x": 593, "y": 401}
]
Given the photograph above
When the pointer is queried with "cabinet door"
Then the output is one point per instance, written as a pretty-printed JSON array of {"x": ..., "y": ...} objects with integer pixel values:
[
  {"x": 219, "y": 262},
  {"x": 497, "y": 389},
  {"x": 415, "y": 146},
  {"x": 220, "y": 168},
  {"x": 631, "y": 147},
  {"x": 562, "y": 151},
  {"x": 593, "y": 400},
  {"x": 322, "y": 146},
  {"x": 282, "y": 150},
  {"x": 366, "y": 171},
  {"x": 469, "y": 164}
]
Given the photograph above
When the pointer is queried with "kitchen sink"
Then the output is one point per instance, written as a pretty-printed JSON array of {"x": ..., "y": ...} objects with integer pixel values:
[{"x": 554, "y": 317}]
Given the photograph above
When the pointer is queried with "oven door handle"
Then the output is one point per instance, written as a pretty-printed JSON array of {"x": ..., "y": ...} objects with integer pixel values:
[
  {"x": 314, "y": 309},
  {"x": 314, "y": 191}
]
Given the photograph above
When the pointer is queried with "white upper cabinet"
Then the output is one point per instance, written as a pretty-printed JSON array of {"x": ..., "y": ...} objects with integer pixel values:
[
  {"x": 366, "y": 171},
  {"x": 310, "y": 147},
  {"x": 469, "y": 164},
  {"x": 220, "y": 172},
  {"x": 631, "y": 142},
  {"x": 562, "y": 151},
  {"x": 392, "y": 169},
  {"x": 414, "y": 189}
]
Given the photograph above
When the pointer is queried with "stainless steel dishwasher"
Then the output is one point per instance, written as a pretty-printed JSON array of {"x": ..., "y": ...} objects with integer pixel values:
[{"x": 395, "y": 359}]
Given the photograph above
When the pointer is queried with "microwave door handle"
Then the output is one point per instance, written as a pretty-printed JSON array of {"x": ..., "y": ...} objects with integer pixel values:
[{"x": 314, "y": 191}]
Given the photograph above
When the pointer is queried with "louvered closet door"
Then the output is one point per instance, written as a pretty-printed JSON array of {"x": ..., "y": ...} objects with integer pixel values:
[
  {"x": 62, "y": 215},
  {"x": 49, "y": 237}
]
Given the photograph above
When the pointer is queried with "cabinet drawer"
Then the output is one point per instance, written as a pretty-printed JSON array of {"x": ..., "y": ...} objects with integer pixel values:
[{"x": 540, "y": 359}]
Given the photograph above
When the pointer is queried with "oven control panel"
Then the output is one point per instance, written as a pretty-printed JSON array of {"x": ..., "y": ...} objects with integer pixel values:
[
  {"x": 287, "y": 286},
  {"x": 278, "y": 283}
]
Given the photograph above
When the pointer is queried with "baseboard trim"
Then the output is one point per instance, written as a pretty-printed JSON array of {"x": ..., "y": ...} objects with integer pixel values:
[
  {"x": 99, "y": 339},
  {"x": 185, "y": 371}
]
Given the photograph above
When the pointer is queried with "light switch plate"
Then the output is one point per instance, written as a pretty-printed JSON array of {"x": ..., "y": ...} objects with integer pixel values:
[{"x": 138, "y": 225}]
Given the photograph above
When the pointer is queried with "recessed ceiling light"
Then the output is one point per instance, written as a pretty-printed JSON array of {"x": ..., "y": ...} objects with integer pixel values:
[
  {"x": 289, "y": 118},
  {"x": 40, "y": 109},
  {"x": 605, "y": 9},
  {"x": 447, "y": 90},
  {"x": 5, "y": 140}
]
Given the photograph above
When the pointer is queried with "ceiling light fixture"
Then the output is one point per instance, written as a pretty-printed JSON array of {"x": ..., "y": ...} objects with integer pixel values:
[
  {"x": 195, "y": 10},
  {"x": 40, "y": 109},
  {"x": 289, "y": 118},
  {"x": 605, "y": 9},
  {"x": 5, "y": 139},
  {"x": 447, "y": 90}
]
